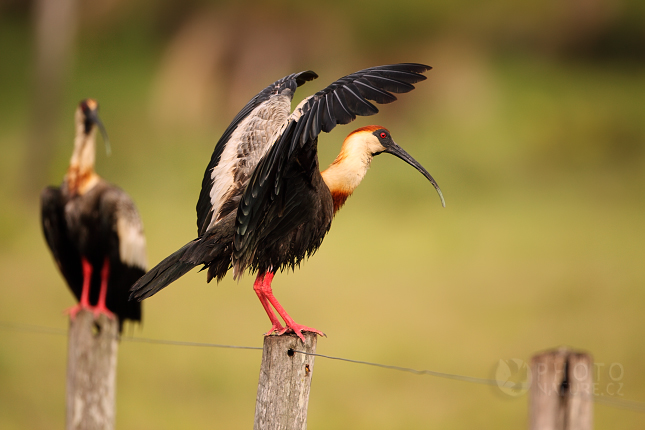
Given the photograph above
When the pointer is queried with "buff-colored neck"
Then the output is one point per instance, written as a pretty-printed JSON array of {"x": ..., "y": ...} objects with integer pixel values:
[
  {"x": 81, "y": 176},
  {"x": 349, "y": 168}
]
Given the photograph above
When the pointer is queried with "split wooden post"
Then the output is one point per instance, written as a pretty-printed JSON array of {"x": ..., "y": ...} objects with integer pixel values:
[
  {"x": 91, "y": 372},
  {"x": 285, "y": 381},
  {"x": 561, "y": 394}
]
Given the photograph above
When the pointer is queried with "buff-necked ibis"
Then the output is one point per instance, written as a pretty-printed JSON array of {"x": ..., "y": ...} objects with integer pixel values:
[
  {"x": 264, "y": 204},
  {"x": 93, "y": 229}
]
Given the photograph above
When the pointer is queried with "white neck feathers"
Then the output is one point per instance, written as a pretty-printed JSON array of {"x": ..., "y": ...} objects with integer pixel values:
[{"x": 80, "y": 174}]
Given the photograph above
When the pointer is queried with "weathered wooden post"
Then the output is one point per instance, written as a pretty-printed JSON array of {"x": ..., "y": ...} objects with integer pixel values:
[
  {"x": 561, "y": 394},
  {"x": 91, "y": 372},
  {"x": 285, "y": 381}
]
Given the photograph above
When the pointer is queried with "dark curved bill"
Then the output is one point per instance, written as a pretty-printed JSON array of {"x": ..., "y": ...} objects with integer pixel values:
[
  {"x": 397, "y": 151},
  {"x": 99, "y": 123}
]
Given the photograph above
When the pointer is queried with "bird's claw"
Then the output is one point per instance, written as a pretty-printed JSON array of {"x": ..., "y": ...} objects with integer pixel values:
[
  {"x": 74, "y": 310},
  {"x": 298, "y": 329},
  {"x": 275, "y": 328},
  {"x": 97, "y": 311}
]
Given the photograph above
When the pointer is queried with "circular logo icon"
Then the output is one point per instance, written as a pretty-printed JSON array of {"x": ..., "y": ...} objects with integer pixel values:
[{"x": 513, "y": 376}]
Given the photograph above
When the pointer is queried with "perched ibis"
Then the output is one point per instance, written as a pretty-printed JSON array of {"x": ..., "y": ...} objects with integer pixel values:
[
  {"x": 93, "y": 229},
  {"x": 264, "y": 204}
]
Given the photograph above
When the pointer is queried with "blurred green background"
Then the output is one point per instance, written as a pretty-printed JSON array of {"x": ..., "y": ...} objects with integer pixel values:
[{"x": 532, "y": 121}]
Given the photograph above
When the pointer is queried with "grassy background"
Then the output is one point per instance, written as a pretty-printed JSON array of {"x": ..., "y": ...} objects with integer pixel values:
[{"x": 539, "y": 148}]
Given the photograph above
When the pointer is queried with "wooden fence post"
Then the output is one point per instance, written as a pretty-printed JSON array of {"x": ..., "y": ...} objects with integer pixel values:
[
  {"x": 561, "y": 394},
  {"x": 285, "y": 381},
  {"x": 91, "y": 372}
]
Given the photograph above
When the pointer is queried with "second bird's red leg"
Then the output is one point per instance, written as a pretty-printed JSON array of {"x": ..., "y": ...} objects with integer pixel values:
[
  {"x": 291, "y": 324},
  {"x": 105, "y": 276},
  {"x": 84, "y": 303},
  {"x": 258, "y": 288}
]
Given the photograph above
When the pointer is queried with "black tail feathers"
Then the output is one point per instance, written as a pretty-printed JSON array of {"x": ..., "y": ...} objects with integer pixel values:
[{"x": 163, "y": 274}]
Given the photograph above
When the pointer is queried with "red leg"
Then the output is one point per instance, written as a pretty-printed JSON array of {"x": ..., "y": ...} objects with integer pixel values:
[
  {"x": 257, "y": 287},
  {"x": 100, "y": 306},
  {"x": 84, "y": 303},
  {"x": 291, "y": 324}
]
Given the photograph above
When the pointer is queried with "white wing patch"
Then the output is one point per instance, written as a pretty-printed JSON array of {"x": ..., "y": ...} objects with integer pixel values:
[
  {"x": 132, "y": 242},
  {"x": 247, "y": 145},
  {"x": 297, "y": 112}
]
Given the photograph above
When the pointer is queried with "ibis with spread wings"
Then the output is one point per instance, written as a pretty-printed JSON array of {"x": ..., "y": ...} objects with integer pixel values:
[{"x": 264, "y": 204}]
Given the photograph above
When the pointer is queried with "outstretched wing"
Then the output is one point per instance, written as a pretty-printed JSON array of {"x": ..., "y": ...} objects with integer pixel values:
[
  {"x": 348, "y": 97},
  {"x": 241, "y": 146},
  {"x": 339, "y": 103},
  {"x": 54, "y": 226}
]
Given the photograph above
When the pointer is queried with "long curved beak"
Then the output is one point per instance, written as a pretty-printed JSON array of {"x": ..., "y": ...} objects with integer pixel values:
[
  {"x": 97, "y": 120},
  {"x": 397, "y": 151}
]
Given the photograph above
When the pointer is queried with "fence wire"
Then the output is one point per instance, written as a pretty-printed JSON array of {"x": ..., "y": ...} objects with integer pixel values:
[
  {"x": 631, "y": 405},
  {"x": 470, "y": 379}
]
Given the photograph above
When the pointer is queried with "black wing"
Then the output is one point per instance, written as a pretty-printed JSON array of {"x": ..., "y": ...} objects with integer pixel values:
[
  {"x": 276, "y": 222},
  {"x": 348, "y": 97},
  {"x": 122, "y": 225},
  {"x": 339, "y": 103},
  {"x": 54, "y": 227},
  {"x": 290, "y": 82}
]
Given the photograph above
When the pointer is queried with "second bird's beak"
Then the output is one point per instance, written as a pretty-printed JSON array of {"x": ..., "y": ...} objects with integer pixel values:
[
  {"x": 397, "y": 151},
  {"x": 94, "y": 116}
]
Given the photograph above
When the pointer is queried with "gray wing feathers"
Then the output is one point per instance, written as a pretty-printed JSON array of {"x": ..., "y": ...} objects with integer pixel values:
[
  {"x": 128, "y": 226},
  {"x": 285, "y": 87},
  {"x": 247, "y": 145}
]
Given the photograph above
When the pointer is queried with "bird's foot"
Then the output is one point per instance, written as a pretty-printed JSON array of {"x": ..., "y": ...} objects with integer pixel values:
[
  {"x": 102, "y": 309},
  {"x": 276, "y": 327},
  {"x": 298, "y": 329},
  {"x": 74, "y": 310}
]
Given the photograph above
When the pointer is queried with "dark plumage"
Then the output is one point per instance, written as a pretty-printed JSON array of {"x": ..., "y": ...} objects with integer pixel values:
[
  {"x": 94, "y": 230},
  {"x": 264, "y": 204}
]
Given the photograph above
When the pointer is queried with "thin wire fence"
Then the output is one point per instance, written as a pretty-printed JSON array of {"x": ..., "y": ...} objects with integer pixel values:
[
  {"x": 604, "y": 400},
  {"x": 462, "y": 378}
]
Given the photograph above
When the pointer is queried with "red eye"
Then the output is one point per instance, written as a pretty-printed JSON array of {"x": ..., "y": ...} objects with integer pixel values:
[{"x": 383, "y": 135}]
